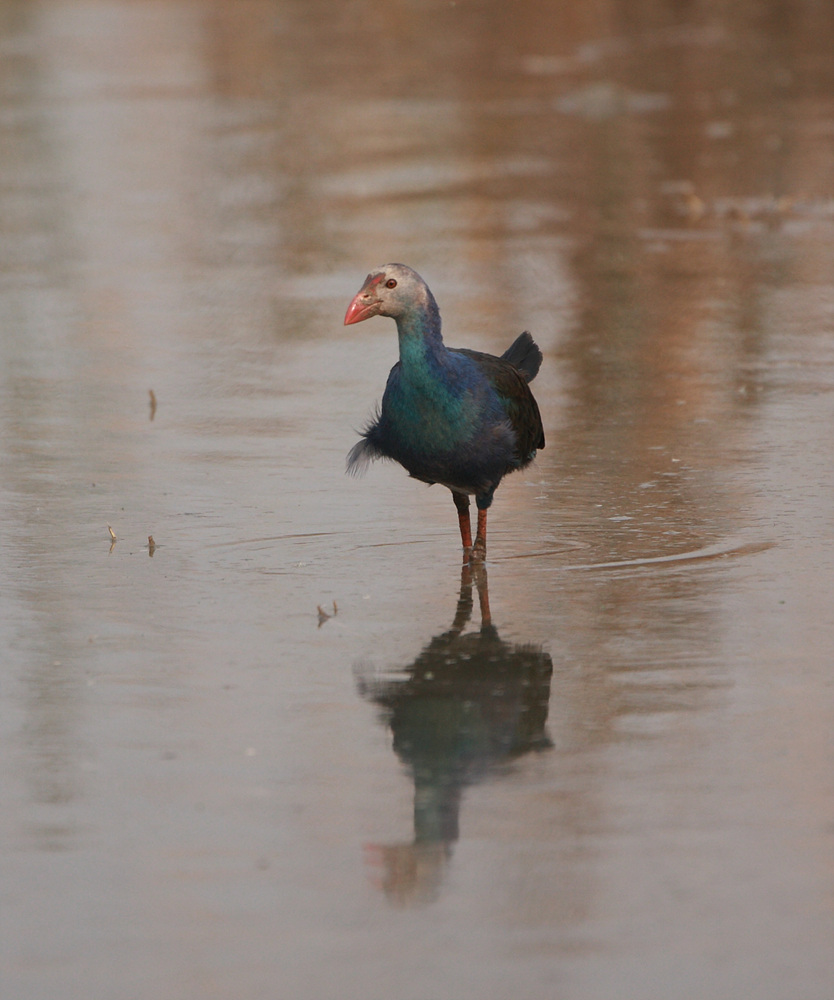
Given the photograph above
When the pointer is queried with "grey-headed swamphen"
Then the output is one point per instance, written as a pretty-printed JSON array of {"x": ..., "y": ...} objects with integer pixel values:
[{"x": 448, "y": 415}]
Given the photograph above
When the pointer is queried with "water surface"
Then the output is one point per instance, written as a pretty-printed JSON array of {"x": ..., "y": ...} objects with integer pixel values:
[{"x": 606, "y": 771}]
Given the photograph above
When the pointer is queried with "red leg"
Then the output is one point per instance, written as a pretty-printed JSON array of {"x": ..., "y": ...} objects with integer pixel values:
[
  {"x": 465, "y": 530},
  {"x": 462, "y": 504},
  {"x": 479, "y": 549}
]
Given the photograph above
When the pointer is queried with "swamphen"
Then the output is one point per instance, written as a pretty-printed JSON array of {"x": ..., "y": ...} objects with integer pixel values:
[{"x": 448, "y": 415}]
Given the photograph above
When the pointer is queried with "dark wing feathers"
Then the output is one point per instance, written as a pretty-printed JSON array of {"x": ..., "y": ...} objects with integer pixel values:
[{"x": 511, "y": 385}]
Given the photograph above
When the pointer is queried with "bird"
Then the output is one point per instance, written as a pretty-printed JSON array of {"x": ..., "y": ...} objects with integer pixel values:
[{"x": 453, "y": 416}]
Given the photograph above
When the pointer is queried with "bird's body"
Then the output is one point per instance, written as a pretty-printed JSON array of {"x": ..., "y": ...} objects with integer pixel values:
[{"x": 451, "y": 416}]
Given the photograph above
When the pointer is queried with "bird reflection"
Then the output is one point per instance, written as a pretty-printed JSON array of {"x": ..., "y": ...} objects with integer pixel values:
[{"x": 468, "y": 704}]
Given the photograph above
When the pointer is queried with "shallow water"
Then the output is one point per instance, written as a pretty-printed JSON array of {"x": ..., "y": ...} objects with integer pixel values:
[{"x": 284, "y": 750}]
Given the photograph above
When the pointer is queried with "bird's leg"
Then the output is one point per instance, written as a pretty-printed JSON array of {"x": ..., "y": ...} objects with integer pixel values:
[
  {"x": 462, "y": 504},
  {"x": 479, "y": 548},
  {"x": 480, "y": 574}
]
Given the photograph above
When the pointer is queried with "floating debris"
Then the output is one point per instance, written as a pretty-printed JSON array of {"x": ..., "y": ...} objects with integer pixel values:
[
  {"x": 762, "y": 211},
  {"x": 325, "y": 616},
  {"x": 152, "y": 394},
  {"x": 151, "y": 546},
  {"x": 113, "y": 536}
]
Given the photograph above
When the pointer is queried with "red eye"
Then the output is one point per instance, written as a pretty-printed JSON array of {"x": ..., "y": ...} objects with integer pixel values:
[{"x": 391, "y": 283}]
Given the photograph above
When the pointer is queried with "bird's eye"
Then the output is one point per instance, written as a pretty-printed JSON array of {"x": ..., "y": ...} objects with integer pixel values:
[{"x": 391, "y": 283}]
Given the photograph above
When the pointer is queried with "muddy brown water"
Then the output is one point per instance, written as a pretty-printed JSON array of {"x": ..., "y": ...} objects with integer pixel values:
[{"x": 620, "y": 786}]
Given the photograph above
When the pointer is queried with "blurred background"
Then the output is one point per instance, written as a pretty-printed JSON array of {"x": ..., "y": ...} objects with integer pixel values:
[{"x": 261, "y": 736}]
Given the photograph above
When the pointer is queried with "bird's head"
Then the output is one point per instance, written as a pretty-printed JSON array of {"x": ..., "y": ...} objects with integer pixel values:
[{"x": 391, "y": 290}]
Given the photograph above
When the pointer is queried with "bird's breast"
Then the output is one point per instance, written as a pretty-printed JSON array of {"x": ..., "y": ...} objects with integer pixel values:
[{"x": 428, "y": 417}]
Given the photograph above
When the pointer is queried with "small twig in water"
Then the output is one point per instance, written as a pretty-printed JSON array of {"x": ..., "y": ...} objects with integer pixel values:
[{"x": 324, "y": 616}]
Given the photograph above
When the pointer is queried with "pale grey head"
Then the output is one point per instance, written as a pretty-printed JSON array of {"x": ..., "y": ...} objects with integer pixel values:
[{"x": 391, "y": 290}]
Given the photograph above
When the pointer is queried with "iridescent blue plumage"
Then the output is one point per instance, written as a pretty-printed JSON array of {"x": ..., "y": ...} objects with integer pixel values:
[{"x": 455, "y": 417}]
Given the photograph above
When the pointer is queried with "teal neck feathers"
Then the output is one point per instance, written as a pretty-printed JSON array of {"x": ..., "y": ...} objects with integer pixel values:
[
  {"x": 430, "y": 405},
  {"x": 421, "y": 344}
]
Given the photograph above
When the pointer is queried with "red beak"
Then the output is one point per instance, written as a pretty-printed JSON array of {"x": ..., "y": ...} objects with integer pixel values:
[
  {"x": 358, "y": 310},
  {"x": 365, "y": 303}
]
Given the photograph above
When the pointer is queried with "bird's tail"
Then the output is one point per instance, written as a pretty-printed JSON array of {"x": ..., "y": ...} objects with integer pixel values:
[
  {"x": 360, "y": 457},
  {"x": 525, "y": 355}
]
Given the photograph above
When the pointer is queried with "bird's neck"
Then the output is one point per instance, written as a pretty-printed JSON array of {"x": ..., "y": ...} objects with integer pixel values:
[
  {"x": 427, "y": 400},
  {"x": 421, "y": 343}
]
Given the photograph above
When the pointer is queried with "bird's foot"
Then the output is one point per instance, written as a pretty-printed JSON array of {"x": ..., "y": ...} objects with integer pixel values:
[{"x": 478, "y": 551}]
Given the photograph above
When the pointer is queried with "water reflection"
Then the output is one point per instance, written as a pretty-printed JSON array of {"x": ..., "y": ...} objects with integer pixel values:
[{"x": 468, "y": 704}]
